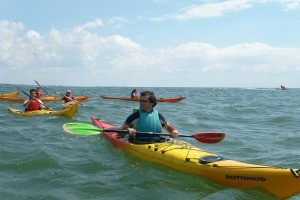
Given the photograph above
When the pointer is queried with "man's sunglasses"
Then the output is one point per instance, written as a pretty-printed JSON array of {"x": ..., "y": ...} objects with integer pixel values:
[{"x": 143, "y": 101}]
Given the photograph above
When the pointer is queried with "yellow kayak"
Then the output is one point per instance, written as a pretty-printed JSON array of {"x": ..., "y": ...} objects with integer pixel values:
[
  {"x": 77, "y": 100},
  {"x": 68, "y": 112},
  {"x": 11, "y": 94},
  {"x": 22, "y": 99},
  {"x": 280, "y": 182},
  {"x": 69, "y": 104}
]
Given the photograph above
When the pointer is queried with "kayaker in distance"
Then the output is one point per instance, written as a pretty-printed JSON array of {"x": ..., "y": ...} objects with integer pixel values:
[
  {"x": 68, "y": 97},
  {"x": 282, "y": 88},
  {"x": 39, "y": 94},
  {"x": 34, "y": 103},
  {"x": 134, "y": 93},
  {"x": 147, "y": 119}
]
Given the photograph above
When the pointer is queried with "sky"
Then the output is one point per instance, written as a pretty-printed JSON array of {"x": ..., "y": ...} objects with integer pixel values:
[{"x": 151, "y": 43}]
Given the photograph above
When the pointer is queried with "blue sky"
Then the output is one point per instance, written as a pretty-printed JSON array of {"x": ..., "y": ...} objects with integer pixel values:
[{"x": 155, "y": 43}]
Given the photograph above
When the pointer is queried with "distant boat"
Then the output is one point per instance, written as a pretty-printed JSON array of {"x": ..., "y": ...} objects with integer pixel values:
[{"x": 282, "y": 88}]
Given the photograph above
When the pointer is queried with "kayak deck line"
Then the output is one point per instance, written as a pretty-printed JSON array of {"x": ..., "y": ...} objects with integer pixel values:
[
  {"x": 293, "y": 171},
  {"x": 170, "y": 142}
]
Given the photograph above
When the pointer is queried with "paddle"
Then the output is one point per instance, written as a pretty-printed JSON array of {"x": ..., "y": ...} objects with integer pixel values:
[
  {"x": 66, "y": 97},
  {"x": 80, "y": 128},
  {"x": 29, "y": 97},
  {"x": 42, "y": 88}
]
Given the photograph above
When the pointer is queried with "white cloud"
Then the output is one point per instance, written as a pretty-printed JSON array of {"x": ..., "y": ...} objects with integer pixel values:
[
  {"x": 83, "y": 57},
  {"x": 217, "y": 9},
  {"x": 255, "y": 57},
  {"x": 116, "y": 21},
  {"x": 90, "y": 25},
  {"x": 33, "y": 35},
  {"x": 208, "y": 10},
  {"x": 289, "y": 4},
  {"x": 63, "y": 49}
]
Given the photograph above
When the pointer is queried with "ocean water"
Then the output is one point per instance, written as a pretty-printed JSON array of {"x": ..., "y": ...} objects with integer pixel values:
[{"x": 38, "y": 160}]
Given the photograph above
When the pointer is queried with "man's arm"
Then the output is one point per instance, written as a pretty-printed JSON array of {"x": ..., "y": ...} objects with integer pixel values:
[{"x": 168, "y": 127}]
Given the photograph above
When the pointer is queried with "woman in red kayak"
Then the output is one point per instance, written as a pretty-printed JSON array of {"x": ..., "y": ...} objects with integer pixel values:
[{"x": 134, "y": 94}]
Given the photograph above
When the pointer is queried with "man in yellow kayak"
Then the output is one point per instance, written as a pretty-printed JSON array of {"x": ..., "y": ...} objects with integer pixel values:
[
  {"x": 34, "y": 103},
  {"x": 147, "y": 119}
]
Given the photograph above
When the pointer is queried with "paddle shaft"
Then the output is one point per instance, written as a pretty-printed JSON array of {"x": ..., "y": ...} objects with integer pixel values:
[
  {"x": 137, "y": 132},
  {"x": 208, "y": 138},
  {"x": 42, "y": 88},
  {"x": 144, "y": 133},
  {"x": 23, "y": 91},
  {"x": 29, "y": 97},
  {"x": 88, "y": 129}
]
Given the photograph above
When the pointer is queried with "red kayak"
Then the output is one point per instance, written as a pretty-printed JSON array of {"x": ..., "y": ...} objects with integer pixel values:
[{"x": 166, "y": 100}]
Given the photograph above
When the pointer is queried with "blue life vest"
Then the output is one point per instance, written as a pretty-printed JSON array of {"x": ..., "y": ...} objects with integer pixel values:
[{"x": 149, "y": 122}]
